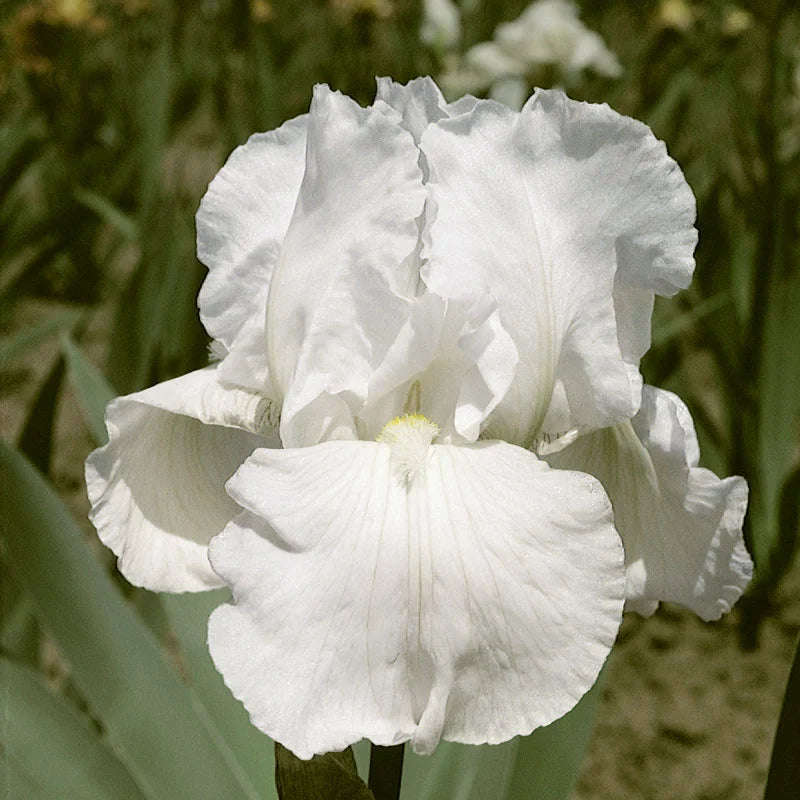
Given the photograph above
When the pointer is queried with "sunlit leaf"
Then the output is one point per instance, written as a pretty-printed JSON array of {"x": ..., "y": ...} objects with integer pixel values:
[
  {"x": 93, "y": 390},
  {"x": 459, "y": 771},
  {"x": 188, "y": 615},
  {"x": 361, "y": 751},
  {"x": 25, "y": 340},
  {"x": 19, "y": 631},
  {"x": 36, "y": 438},
  {"x": 662, "y": 115},
  {"x": 47, "y": 749},
  {"x": 154, "y": 91},
  {"x": 548, "y": 761},
  {"x": 156, "y": 330},
  {"x": 23, "y": 261},
  {"x": 685, "y": 321},
  {"x": 108, "y": 212},
  {"x": 779, "y": 400}
]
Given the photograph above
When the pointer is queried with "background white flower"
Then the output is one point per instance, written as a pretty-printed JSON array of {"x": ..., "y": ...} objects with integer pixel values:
[
  {"x": 441, "y": 24},
  {"x": 416, "y": 301},
  {"x": 549, "y": 33}
]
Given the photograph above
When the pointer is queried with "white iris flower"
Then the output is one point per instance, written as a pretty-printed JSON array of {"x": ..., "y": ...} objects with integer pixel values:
[{"x": 404, "y": 465}]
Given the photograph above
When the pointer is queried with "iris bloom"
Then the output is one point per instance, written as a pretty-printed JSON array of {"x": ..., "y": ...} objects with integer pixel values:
[
  {"x": 548, "y": 33},
  {"x": 427, "y": 402}
]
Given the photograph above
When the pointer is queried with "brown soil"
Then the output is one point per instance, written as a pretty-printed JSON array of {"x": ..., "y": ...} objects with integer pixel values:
[{"x": 687, "y": 714}]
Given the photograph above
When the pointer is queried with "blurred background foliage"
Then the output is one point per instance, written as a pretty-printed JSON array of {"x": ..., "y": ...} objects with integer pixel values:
[{"x": 114, "y": 115}]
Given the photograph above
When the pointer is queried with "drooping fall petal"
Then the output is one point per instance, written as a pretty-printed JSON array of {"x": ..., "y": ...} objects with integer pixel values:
[
  {"x": 157, "y": 487},
  {"x": 680, "y": 523},
  {"x": 474, "y": 599}
]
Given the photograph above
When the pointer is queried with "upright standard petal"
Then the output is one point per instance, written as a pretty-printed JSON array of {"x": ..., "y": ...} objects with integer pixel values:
[
  {"x": 470, "y": 594},
  {"x": 340, "y": 289},
  {"x": 241, "y": 223},
  {"x": 646, "y": 204},
  {"x": 681, "y": 525},
  {"x": 157, "y": 487},
  {"x": 420, "y": 103},
  {"x": 564, "y": 259}
]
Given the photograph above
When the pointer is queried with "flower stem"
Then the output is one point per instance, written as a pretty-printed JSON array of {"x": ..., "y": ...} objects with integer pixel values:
[{"x": 386, "y": 771}]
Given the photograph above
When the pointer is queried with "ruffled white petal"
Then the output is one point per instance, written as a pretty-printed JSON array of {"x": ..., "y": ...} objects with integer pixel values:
[
  {"x": 241, "y": 223},
  {"x": 557, "y": 212},
  {"x": 247, "y": 364},
  {"x": 681, "y": 525},
  {"x": 157, "y": 488},
  {"x": 340, "y": 290},
  {"x": 451, "y": 360},
  {"x": 419, "y": 102},
  {"x": 476, "y": 602},
  {"x": 492, "y": 358}
]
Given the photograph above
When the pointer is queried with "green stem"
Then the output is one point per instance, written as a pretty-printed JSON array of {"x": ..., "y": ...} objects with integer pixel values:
[{"x": 386, "y": 771}]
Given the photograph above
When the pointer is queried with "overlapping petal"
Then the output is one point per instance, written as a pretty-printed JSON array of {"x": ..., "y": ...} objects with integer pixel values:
[
  {"x": 241, "y": 223},
  {"x": 681, "y": 525},
  {"x": 157, "y": 487},
  {"x": 518, "y": 214},
  {"x": 452, "y": 360},
  {"x": 340, "y": 289},
  {"x": 420, "y": 103},
  {"x": 475, "y": 603}
]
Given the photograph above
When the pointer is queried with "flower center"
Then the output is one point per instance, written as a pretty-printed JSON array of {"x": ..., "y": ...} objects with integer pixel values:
[{"x": 410, "y": 437}]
